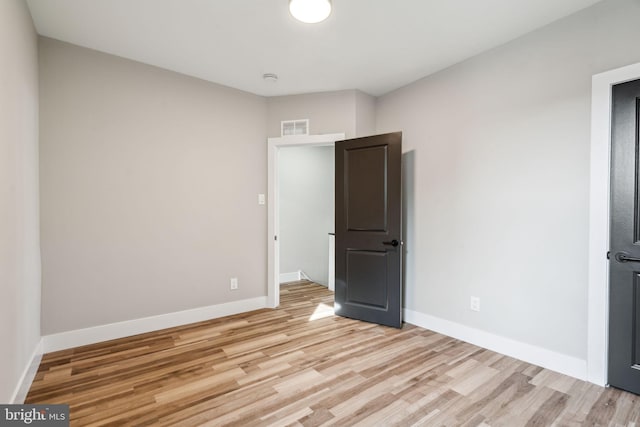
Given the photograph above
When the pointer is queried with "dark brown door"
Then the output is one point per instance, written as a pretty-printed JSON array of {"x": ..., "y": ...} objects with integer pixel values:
[
  {"x": 624, "y": 264},
  {"x": 369, "y": 229}
]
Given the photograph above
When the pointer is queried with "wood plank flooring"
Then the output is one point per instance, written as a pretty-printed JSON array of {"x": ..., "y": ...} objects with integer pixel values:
[{"x": 300, "y": 365}]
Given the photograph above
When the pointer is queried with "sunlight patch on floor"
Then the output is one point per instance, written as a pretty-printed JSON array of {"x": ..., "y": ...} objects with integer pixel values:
[{"x": 321, "y": 311}]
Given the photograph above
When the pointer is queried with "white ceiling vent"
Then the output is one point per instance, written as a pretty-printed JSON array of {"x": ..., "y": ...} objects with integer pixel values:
[{"x": 294, "y": 127}]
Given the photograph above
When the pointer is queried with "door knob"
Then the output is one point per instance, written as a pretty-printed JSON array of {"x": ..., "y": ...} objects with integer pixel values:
[
  {"x": 624, "y": 257},
  {"x": 393, "y": 243}
]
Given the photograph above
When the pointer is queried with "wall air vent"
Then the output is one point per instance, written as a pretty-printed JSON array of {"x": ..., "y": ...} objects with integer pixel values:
[{"x": 294, "y": 127}]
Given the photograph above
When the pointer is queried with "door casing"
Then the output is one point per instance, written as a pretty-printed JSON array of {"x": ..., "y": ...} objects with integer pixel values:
[
  {"x": 599, "y": 217},
  {"x": 273, "y": 245}
]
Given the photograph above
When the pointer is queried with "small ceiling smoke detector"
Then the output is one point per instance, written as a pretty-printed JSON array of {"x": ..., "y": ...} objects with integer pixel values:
[
  {"x": 310, "y": 11},
  {"x": 270, "y": 77}
]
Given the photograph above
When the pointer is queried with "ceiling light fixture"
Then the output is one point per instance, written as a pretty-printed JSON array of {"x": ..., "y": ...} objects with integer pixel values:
[{"x": 310, "y": 11}]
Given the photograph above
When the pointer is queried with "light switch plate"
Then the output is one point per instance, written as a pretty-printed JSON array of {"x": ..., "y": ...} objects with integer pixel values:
[{"x": 474, "y": 304}]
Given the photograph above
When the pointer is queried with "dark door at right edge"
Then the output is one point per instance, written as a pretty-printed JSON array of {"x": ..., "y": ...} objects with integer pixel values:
[{"x": 624, "y": 264}]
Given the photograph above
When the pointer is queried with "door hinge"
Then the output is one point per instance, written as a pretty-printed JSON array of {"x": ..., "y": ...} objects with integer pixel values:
[
  {"x": 608, "y": 254},
  {"x": 275, "y": 238}
]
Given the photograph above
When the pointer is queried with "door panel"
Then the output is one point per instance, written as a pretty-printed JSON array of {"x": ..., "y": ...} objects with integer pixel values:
[
  {"x": 368, "y": 229},
  {"x": 624, "y": 267},
  {"x": 366, "y": 276},
  {"x": 366, "y": 170}
]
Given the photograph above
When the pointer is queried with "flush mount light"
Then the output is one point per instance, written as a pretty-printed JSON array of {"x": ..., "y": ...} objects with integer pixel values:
[{"x": 310, "y": 11}]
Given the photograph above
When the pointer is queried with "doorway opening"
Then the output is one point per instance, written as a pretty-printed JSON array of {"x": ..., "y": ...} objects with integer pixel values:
[
  {"x": 273, "y": 227},
  {"x": 306, "y": 199}
]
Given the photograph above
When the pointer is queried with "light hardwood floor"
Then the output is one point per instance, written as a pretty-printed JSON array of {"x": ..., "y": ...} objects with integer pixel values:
[{"x": 300, "y": 365}]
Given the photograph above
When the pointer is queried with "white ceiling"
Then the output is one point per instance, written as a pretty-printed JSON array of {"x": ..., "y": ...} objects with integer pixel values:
[{"x": 372, "y": 45}]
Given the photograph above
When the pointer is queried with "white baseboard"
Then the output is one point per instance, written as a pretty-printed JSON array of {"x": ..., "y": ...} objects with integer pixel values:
[
  {"x": 290, "y": 277},
  {"x": 79, "y": 337},
  {"x": 539, "y": 356},
  {"x": 28, "y": 375},
  {"x": 295, "y": 276}
]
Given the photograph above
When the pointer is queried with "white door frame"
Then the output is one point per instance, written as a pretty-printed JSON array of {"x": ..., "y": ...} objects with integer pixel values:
[
  {"x": 598, "y": 291},
  {"x": 273, "y": 245}
]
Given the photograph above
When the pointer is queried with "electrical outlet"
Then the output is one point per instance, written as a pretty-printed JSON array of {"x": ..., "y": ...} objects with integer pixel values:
[
  {"x": 233, "y": 283},
  {"x": 475, "y": 304}
]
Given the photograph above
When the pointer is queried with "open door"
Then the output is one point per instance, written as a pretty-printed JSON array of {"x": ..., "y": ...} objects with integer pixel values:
[
  {"x": 624, "y": 264},
  {"x": 368, "y": 267}
]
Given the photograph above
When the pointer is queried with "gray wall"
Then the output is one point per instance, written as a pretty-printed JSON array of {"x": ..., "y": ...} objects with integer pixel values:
[
  {"x": 328, "y": 112},
  {"x": 19, "y": 222},
  {"x": 351, "y": 112},
  {"x": 497, "y": 162},
  {"x": 365, "y": 114},
  {"x": 149, "y": 184},
  {"x": 306, "y": 191}
]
